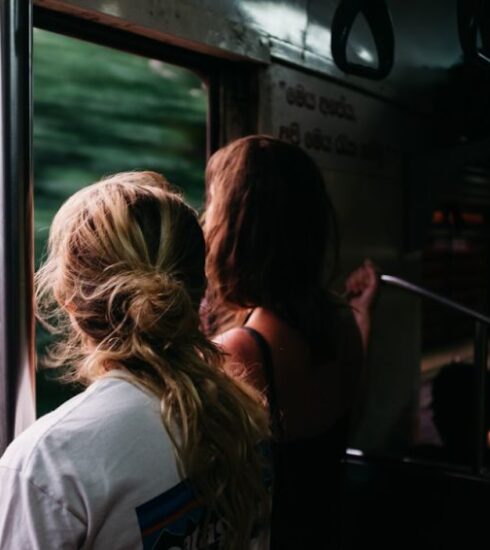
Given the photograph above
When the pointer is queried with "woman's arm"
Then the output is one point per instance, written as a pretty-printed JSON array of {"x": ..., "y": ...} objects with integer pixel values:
[
  {"x": 31, "y": 518},
  {"x": 244, "y": 361},
  {"x": 362, "y": 286}
]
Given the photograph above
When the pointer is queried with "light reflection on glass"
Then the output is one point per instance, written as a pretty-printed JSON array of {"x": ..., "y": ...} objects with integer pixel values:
[
  {"x": 355, "y": 452},
  {"x": 319, "y": 39},
  {"x": 365, "y": 55},
  {"x": 277, "y": 19},
  {"x": 111, "y": 8}
]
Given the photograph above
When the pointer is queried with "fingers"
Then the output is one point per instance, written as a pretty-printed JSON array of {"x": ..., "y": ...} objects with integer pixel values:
[
  {"x": 355, "y": 281},
  {"x": 371, "y": 273},
  {"x": 362, "y": 278},
  {"x": 362, "y": 285}
]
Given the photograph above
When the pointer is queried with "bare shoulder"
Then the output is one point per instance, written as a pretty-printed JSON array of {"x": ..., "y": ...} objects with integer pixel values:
[
  {"x": 243, "y": 356},
  {"x": 239, "y": 345}
]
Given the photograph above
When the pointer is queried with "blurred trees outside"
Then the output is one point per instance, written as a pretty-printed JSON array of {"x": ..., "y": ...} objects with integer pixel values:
[{"x": 99, "y": 111}]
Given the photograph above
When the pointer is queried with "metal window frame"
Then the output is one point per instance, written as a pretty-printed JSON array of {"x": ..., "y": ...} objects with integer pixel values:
[{"x": 16, "y": 229}]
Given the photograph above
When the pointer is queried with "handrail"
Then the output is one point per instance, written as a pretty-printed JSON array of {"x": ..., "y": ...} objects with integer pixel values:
[
  {"x": 482, "y": 322},
  {"x": 420, "y": 291}
]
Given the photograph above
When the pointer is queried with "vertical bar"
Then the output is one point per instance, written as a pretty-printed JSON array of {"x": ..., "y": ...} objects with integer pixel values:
[
  {"x": 481, "y": 353},
  {"x": 16, "y": 239},
  {"x": 214, "y": 112}
]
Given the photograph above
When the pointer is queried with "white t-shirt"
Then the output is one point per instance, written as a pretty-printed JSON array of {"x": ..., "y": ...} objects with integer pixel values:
[{"x": 98, "y": 473}]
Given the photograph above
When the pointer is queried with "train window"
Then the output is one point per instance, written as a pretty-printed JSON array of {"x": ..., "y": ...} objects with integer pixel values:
[
  {"x": 456, "y": 264},
  {"x": 98, "y": 111}
]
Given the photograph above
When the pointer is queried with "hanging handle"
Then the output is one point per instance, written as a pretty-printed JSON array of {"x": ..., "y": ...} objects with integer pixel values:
[
  {"x": 473, "y": 16},
  {"x": 379, "y": 20}
]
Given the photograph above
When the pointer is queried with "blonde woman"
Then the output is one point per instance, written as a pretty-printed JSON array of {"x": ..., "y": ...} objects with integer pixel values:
[{"x": 163, "y": 450}]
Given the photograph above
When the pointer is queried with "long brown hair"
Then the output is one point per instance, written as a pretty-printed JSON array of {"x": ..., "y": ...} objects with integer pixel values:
[
  {"x": 123, "y": 279},
  {"x": 268, "y": 225}
]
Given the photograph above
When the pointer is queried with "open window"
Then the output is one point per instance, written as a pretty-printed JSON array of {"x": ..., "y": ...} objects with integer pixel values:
[
  {"x": 105, "y": 100},
  {"x": 98, "y": 111}
]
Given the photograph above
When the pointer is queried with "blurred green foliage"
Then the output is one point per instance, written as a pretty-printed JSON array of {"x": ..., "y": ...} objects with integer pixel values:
[{"x": 99, "y": 111}]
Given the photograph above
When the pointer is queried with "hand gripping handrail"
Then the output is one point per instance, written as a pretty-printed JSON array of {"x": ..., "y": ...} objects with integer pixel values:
[
  {"x": 379, "y": 20},
  {"x": 482, "y": 323}
]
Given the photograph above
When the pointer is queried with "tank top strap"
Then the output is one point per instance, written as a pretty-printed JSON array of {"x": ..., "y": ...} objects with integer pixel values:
[{"x": 268, "y": 366}]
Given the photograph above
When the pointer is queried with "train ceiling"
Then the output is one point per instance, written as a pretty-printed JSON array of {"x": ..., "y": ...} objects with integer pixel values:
[
  {"x": 299, "y": 31},
  {"x": 427, "y": 70}
]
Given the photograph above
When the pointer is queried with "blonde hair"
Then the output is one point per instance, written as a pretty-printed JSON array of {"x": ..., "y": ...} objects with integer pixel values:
[{"x": 123, "y": 279}]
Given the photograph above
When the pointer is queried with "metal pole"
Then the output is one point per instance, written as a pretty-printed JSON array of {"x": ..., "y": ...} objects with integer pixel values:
[
  {"x": 424, "y": 293},
  {"x": 481, "y": 353},
  {"x": 16, "y": 257}
]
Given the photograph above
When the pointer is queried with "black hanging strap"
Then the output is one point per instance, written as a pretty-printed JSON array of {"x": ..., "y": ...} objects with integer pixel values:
[{"x": 379, "y": 20}]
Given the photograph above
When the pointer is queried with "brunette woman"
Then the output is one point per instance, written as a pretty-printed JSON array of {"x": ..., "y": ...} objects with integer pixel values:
[{"x": 269, "y": 224}]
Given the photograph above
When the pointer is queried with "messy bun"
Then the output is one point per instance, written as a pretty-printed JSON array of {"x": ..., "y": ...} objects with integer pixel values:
[
  {"x": 150, "y": 305},
  {"x": 123, "y": 278},
  {"x": 159, "y": 293}
]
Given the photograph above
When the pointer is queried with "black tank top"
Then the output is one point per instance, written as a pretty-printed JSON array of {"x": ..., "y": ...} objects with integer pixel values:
[{"x": 308, "y": 476}]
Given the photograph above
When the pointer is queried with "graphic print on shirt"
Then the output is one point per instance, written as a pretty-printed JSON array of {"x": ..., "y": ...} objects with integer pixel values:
[{"x": 171, "y": 521}]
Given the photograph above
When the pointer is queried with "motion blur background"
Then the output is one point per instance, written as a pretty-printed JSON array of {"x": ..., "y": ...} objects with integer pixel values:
[{"x": 98, "y": 111}]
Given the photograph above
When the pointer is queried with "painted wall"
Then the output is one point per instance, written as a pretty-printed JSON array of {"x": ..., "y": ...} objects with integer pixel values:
[{"x": 362, "y": 146}]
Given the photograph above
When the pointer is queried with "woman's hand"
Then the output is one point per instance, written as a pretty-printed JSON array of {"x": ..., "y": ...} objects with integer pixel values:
[
  {"x": 361, "y": 289},
  {"x": 361, "y": 286}
]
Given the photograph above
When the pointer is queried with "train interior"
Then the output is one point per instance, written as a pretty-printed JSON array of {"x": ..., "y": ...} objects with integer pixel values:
[{"x": 391, "y": 99}]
